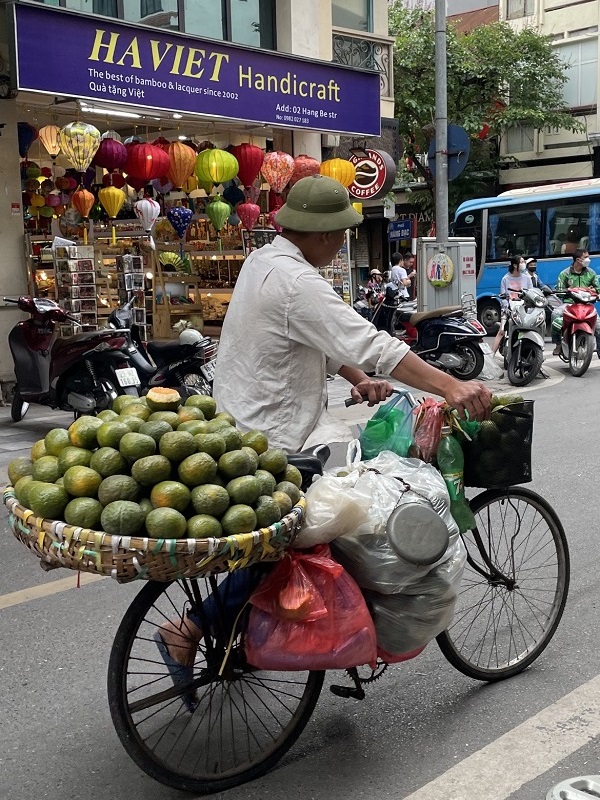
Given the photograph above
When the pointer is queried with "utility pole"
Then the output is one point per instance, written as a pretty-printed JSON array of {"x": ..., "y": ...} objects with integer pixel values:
[{"x": 441, "y": 125}]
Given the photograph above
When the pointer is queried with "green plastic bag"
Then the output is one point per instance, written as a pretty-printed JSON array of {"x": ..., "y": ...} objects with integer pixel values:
[{"x": 390, "y": 428}]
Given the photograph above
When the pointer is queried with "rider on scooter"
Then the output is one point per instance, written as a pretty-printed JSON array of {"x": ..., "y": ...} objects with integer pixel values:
[{"x": 578, "y": 274}]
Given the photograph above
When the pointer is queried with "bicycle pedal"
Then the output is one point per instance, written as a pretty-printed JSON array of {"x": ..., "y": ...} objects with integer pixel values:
[{"x": 356, "y": 693}]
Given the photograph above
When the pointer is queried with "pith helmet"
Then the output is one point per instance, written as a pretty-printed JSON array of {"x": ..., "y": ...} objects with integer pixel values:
[{"x": 318, "y": 204}]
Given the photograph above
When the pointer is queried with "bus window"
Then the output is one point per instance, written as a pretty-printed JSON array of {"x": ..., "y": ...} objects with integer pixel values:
[
  {"x": 568, "y": 228},
  {"x": 512, "y": 233},
  {"x": 469, "y": 224}
]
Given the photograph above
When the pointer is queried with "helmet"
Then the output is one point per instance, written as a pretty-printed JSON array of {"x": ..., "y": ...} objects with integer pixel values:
[{"x": 190, "y": 336}]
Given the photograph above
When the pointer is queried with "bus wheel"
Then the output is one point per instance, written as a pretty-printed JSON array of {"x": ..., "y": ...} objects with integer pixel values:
[{"x": 488, "y": 312}]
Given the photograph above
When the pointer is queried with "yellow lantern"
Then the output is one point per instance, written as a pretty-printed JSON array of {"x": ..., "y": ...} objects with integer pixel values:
[
  {"x": 340, "y": 170},
  {"x": 112, "y": 200},
  {"x": 216, "y": 166},
  {"x": 358, "y": 208},
  {"x": 49, "y": 138},
  {"x": 37, "y": 200},
  {"x": 191, "y": 184},
  {"x": 79, "y": 142}
]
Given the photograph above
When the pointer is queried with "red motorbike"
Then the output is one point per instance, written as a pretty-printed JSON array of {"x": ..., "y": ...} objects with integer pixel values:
[
  {"x": 578, "y": 341},
  {"x": 82, "y": 373}
]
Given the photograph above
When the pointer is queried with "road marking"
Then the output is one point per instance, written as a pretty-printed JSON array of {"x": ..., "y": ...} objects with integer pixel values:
[
  {"x": 46, "y": 589},
  {"x": 523, "y": 753}
]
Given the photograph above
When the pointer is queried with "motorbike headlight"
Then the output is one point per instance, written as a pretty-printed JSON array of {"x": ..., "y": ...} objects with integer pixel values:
[
  {"x": 540, "y": 318},
  {"x": 515, "y": 316},
  {"x": 540, "y": 302},
  {"x": 585, "y": 296}
]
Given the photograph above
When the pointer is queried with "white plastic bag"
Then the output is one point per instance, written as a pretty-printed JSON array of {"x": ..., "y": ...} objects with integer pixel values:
[{"x": 491, "y": 368}]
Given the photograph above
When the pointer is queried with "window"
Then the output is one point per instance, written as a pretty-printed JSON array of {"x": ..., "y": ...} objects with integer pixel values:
[
  {"x": 582, "y": 67},
  {"x": 570, "y": 226},
  {"x": 354, "y": 14},
  {"x": 249, "y": 22},
  {"x": 513, "y": 233},
  {"x": 108, "y": 8},
  {"x": 469, "y": 224},
  {"x": 158, "y": 13},
  {"x": 520, "y": 139},
  {"x": 519, "y": 8}
]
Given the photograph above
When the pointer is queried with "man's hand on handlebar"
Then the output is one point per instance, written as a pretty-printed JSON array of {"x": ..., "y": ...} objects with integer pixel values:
[{"x": 372, "y": 391}]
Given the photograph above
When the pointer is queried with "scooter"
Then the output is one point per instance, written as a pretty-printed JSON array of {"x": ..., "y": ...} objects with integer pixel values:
[
  {"x": 578, "y": 342},
  {"x": 523, "y": 342},
  {"x": 83, "y": 373},
  {"x": 188, "y": 362},
  {"x": 444, "y": 337},
  {"x": 362, "y": 304}
]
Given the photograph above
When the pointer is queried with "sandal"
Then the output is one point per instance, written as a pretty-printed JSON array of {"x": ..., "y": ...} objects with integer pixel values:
[{"x": 179, "y": 673}]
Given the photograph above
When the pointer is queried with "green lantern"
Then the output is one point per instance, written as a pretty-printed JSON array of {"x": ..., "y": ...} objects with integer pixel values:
[
  {"x": 216, "y": 166},
  {"x": 218, "y": 212}
]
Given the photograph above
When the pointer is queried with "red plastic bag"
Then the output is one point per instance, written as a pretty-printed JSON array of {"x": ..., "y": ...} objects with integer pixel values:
[
  {"x": 428, "y": 428},
  {"x": 289, "y": 593},
  {"x": 341, "y": 638}
]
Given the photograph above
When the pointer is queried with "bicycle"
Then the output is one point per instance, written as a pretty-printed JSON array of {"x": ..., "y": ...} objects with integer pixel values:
[{"x": 512, "y": 598}]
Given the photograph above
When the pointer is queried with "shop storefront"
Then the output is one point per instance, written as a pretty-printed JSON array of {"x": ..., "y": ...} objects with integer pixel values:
[{"x": 210, "y": 132}]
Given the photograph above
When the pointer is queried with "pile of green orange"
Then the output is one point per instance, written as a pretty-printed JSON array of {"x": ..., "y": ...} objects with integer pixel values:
[{"x": 154, "y": 467}]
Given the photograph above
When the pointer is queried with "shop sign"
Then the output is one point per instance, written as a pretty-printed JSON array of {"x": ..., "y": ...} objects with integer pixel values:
[
  {"x": 375, "y": 174},
  {"x": 399, "y": 231},
  {"x": 102, "y": 60}
]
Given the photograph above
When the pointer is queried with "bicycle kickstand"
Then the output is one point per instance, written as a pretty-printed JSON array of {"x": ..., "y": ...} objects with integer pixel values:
[{"x": 356, "y": 692}]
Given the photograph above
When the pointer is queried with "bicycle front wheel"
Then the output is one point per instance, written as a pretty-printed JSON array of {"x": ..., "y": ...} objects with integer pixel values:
[
  {"x": 244, "y": 720},
  {"x": 514, "y": 587}
]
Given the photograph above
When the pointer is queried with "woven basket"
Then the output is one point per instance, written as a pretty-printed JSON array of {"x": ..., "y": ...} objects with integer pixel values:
[{"x": 130, "y": 558}]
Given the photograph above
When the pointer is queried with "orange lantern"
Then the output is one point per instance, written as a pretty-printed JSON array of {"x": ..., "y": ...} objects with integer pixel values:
[
  {"x": 340, "y": 170},
  {"x": 83, "y": 202},
  {"x": 112, "y": 200},
  {"x": 182, "y": 161}
]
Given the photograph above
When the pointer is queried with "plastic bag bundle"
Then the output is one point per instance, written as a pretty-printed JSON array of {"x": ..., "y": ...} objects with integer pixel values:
[
  {"x": 366, "y": 552},
  {"x": 287, "y": 629},
  {"x": 390, "y": 428},
  {"x": 428, "y": 427},
  {"x": 410, "y": 619}
]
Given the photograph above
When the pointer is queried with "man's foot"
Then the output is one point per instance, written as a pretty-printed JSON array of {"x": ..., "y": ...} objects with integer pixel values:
[
  {"x": 556, "y": 351},
  {"x": 177, "y": 644}
]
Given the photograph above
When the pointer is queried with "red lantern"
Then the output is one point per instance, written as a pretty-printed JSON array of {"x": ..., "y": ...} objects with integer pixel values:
[
  {"x": 249, "y": 214},
  {"x": 275, "y": 201},
  {"x": 110, "y": 154},
  {"x": 304, "y": 167},
  {"x": 113, "y": 179},
  {"x": 250, "y": 158},
  {"x": 162, "y": 143},
  {"x": 146, "y": 162},
  {"x": 136, "y": 183},
  {"x": 273, "y": 221},
  {"x": 277, "y": 169}
]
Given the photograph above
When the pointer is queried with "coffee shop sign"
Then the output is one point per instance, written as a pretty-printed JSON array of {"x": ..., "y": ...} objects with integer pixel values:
[{"x": 375, "y": 174}]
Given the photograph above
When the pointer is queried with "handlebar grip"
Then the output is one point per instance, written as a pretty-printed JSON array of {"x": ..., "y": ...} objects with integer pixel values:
[
  {"x": 350, "y": 401},
  {"x": 10, "y": 300}
]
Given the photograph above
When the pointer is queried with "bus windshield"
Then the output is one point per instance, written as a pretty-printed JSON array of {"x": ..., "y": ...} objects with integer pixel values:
[{"x": 548, "y": 223}]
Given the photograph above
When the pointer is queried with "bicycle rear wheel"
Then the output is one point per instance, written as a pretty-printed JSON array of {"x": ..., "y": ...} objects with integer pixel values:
[
  {"x": 514, "y": 588},
  {"x": 244, "y": 721}
]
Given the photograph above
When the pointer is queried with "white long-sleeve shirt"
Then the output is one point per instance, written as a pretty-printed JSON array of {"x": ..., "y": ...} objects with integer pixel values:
[{"x": 285, "y": 329}]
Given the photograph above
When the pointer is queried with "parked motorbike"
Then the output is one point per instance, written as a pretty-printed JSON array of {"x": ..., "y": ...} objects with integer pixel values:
[
  {"x": 83, "y": 373},
  {"x": 444, "y": 337},
  {"x": 362, "y": 304},
  {"x": 187, "y": 362},
  {"x": 578, "y": 341},
  {"x": 523, "y": 342}
]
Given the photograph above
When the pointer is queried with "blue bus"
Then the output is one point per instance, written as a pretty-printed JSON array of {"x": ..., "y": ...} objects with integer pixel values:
[{"x": 548, "y": 222}]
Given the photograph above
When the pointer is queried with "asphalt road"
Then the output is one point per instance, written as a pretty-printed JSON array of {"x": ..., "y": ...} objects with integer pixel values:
[{"x": 424, "y": 731}]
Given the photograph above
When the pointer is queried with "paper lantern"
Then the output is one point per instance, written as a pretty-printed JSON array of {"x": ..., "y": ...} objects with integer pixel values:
[
  {"x": 32, "y": 185},
  {"x": 206, "y": 185},
  {"x": 37, "y": 200},
  {"x": 215, "y": 166},
  {"x": 273, "y": 221},
  {"x": 277, "y": 169},
  {"x": 233, "y": 219},
  {"x": 275, "y": 201},
  {"x": 161, "y": 185},
  {"x": 111, "y": 135},
  {"x": 110, "y": 154},
  {"x": 131, "y": 140},
  {"x": 162, "y": 143},
  {"x": 47, "y": 212},
  {"x": 252, "y": 193},
  {"x": 33, "y": 211},
  {"x": 249, "y": 214},
  {"x": 182, "y": 160},
  {"x": 136, "y": 183},
  {"x": 218, "y": 211},
  {"x": 26, "y": 135},
  {"x": 46, "y": 172},
  {"x": 53, "y": 200},
  {"x": 49, "y": 138},
  {"x": 147, "y": 211},
  {"x": 250, "y": 159},
  {"x": 33, "y": 172},
  {"x": 146, "y": 161},
  {"x": 233, "y": 195},
  {"x": 191, "y": 184},
  {"x": 59, "y": 210},
  {"x": 112, "y": 200},
  {"x": 79, "y": 142},
  {"x": 180, "y": 217},
  {"x": 46, "y": 185},
  {"x": 340, "y": 170},
  {"x": 304, "y": 167},
  {"x": 113, "y": 179},
  {"x": 59, "y": 172},
  {"x": 83, "y": 201}
]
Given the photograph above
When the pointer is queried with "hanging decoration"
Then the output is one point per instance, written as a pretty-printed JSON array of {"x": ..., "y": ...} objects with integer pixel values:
[
  {"x": 83, "y": 202},
  {"x": 27, "y": 135},
  {"x": 110, "y": 154},
  {"x": 112, "y": 200},
  {"x": 49, "y": 138},
  {"x": 132, "y": 140},
  {"x": 273, "y": 221},
  {"x": 249, "y": 214},
  {"x": 218, "y": 212},
  {"x": 113, "y": 179},
  {"x": 182, "y": 159},
  {"x": 233, "y": 219},
  {"x": 304, "y": 167},
  {"x": 147, "y": 162},
  {"x": 110, "y": 134},
  {"x": 207, "y": 186},
  {"x": 79, "y": 142},
  {"x": 190, "y": 185},
  {"x": 233, "y": 195},
  {"x": 215, "y": 166},
  {"x": 161, "y": 185},
  {"x": 162, "y": 143},
  {"x": 147, "y": 211},
  {"x": 180, "y": 218},
  {"x": 250, "y": 159},
  {"x": 137, "y": 184},
  {"x": 340, "y": 170},
  {"x": 277, "y": 169}
]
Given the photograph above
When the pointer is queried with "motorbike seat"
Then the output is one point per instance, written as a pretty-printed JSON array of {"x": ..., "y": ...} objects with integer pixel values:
[
  {"x": 77, "y": 338},
  {"x": 163, "y": 349},
  {"x": 310, "y": 463},
  {"x": 444, "y": 311}
]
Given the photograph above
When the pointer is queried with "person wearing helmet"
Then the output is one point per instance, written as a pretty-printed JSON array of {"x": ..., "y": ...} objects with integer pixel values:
[{"x": 375, "y": 287}]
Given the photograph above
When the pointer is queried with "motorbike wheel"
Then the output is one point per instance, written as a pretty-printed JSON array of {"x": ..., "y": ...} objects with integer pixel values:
[
  {"x": 18, "y": 407},
  {"x": 582, "y": 350},
  {"x": 197, "y": 381},
  {"x": 473, "y": 361},
  {"x": 525, "y": 363},
  {"x": 488, "y": 314}
]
